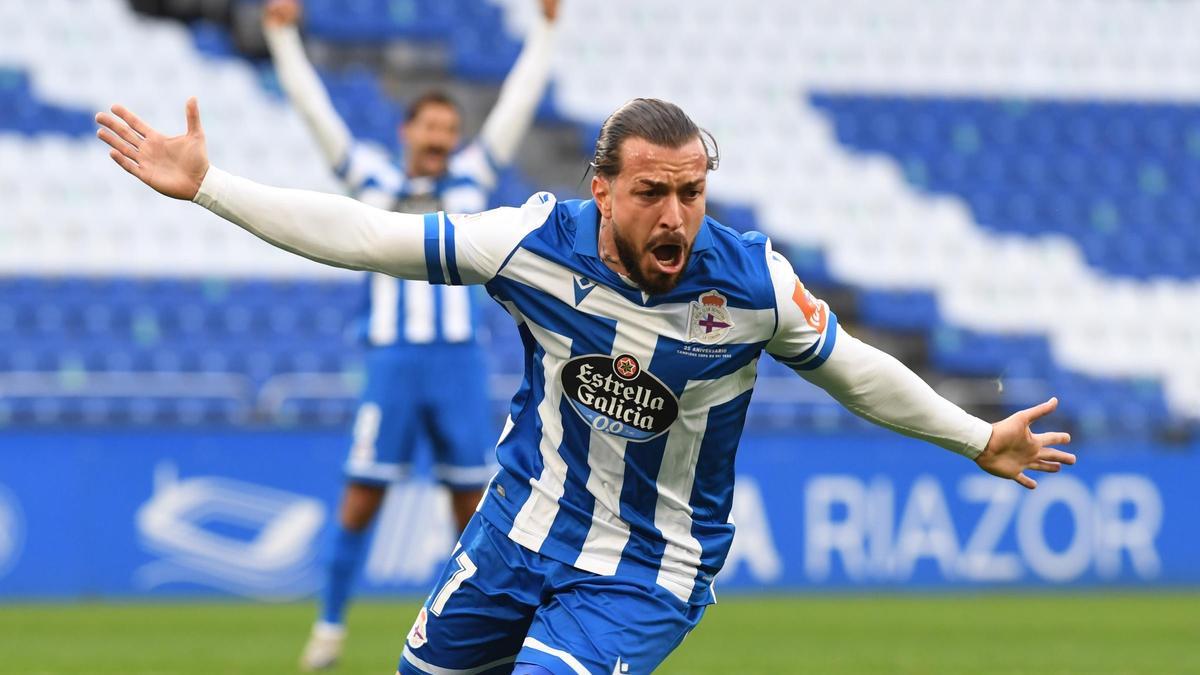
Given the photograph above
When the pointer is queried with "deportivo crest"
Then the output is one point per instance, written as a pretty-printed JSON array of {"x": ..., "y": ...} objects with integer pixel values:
[
  {"x": 617, "y": 396},
  {"x": 710, "y": 320},
  {"x": 417, "y": 636}
]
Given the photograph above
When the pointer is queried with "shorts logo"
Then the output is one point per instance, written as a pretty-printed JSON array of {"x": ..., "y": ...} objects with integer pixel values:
[
  {"x": 417, "y": 636},
  {"x": 710, "y": 320},
  {"x": 617, "y": 396},
  {"x": 814, "y": 311}
]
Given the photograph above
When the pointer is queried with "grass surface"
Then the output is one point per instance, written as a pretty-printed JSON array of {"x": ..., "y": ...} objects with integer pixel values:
[{"x": 1133, "y": 633}]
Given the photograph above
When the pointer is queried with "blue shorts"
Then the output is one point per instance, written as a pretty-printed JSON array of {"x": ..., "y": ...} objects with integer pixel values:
[
  {"x": 498, "y": 603},
  {"x": 437, "y": 392}
]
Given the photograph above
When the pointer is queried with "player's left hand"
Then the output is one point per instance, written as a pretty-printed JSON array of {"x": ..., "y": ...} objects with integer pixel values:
[
  {"x": 550, "y": 10},
  {"x": 174, "y": 166},
  {"x": 1014, "y": 448}
]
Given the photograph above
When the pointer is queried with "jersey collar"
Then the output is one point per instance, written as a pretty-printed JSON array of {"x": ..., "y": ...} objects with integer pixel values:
[{"x": 587, "y": 230}]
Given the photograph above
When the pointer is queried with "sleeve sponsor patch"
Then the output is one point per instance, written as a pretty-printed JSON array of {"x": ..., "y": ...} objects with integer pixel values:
[{"x": 814, "y": 310}]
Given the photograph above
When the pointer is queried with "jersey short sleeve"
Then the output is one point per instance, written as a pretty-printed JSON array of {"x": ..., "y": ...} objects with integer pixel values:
[
  {"x": 471, "y": 248},
  {"x": 475, "y": 162},
  {"x": 806, "y": 330}
]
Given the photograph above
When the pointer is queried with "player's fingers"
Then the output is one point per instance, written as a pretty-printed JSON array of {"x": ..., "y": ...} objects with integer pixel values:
[
  {"x": 1053, "y": 438},
  {"x": 1026, "y": 481},
  {"x": 119, "y": 128},
  {"x": 132, "y": 120},
  {"x": 192, "y": 109},
  {"x": 1040, "y": 410},
  {"x": 1055, "y": 455},
  {"x": 126, "y": 163},
  {"x": 1048, "y": 467},
  {"x": 117, "y": 144}
]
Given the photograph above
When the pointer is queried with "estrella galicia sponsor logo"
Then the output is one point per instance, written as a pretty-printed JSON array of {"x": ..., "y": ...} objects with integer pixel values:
[{"x": 617, "y": 396}]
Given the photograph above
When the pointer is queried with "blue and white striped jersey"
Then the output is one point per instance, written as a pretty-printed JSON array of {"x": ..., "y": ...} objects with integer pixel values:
[
  {"x": 397, "y": 311},
  {"x": 618, "y": 455}
]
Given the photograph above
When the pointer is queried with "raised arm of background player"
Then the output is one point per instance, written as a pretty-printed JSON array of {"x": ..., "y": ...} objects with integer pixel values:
[
  {"x": 502, "y": 132},
  {"x": 342, "y": 232}
]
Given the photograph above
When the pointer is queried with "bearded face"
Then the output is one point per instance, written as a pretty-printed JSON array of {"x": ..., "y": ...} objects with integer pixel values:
[{"x": 652, "y": 211}]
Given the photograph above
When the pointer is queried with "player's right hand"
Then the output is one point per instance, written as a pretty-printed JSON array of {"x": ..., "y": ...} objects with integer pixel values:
[
  {"x": 281, "y": 13},
  {"x": 174, "y": 166}
]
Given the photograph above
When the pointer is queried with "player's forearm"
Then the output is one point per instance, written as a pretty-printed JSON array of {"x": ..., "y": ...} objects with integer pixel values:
[
  {"x": 876, "y": 386},
  {"x": 303, "y": 87},
  {"x": 509, "y": 120},
  {"x": 329, "y": 229}
]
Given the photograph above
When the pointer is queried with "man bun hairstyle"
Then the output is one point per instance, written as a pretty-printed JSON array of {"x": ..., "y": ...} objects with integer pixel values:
[
  {"x": 657, "y": 121},
  {"x": 431, "y": 97}
]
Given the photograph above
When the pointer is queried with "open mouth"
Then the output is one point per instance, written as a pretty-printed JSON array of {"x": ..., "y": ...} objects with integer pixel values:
[{"x": 668, "y": 258}]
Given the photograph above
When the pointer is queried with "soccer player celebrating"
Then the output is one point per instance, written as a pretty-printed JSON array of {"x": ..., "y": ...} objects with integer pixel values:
[
  {"x": 595, "y": 547},
  {"x": 426, "y": 374}
]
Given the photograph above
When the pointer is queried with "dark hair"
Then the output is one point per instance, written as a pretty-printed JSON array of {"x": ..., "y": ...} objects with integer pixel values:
[
  {"x": 432, "y": 97},
  {"x": 657, "y": 121}
]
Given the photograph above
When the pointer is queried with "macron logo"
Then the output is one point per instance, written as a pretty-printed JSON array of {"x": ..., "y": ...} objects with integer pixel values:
[
  {"x": 583, "y": 286},
  {"x": 620, "y": 668}
]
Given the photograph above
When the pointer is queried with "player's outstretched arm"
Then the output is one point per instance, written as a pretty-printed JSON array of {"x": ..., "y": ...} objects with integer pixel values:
[
  {"x": 1014, "y": 448},
  {"x": 335, "y": 230},
  {"x": 877, "y": 387},
  {"x": 330, "y": 229},
  {"x": 300, "y": 81},
  {"x": 510, "y": 118}
]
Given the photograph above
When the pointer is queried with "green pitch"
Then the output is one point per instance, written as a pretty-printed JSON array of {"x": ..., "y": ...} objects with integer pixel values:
[{"x": 1050, "y": 633}]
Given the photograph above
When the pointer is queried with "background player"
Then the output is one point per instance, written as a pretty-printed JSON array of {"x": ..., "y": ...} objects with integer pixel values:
[
  {"x": 425, "y": 372},
  {"x": 598, "y": 542}
]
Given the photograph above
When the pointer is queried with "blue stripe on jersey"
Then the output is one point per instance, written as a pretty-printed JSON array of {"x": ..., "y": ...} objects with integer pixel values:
[
  {"x": 433, "y": 255},
  {"x": 712, "y": 491},
  {"x": 451, "y": 257},
  {"x": 517, "y": 462}
]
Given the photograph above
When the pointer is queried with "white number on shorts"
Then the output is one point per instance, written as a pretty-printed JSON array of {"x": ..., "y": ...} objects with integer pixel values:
[{"x": 466, "y": 570}]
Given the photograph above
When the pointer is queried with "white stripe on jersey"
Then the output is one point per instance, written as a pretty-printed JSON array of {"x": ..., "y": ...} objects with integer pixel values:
[
  {"x": 606, "y": 538},
  {"x": 418, "y": 312},
  {"x": 672, "y": 513},
  {"x": 385, "y": 295},
  {"x": 456, "y": 313},
  {"x": 533, "y": 522}
]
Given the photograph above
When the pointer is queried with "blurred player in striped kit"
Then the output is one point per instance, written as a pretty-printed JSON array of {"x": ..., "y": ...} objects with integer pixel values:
[{"x": 426, "y": 374}]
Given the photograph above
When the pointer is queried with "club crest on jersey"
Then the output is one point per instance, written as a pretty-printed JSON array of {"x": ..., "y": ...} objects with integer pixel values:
[
  {"x": 710, "y": 320},
  {"x": 614, "y": 394},
  {"x": 417, "y": 636}
]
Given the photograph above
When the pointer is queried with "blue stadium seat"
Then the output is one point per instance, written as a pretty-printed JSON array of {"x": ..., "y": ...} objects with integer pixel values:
[{"x": 1114, "y": 177}]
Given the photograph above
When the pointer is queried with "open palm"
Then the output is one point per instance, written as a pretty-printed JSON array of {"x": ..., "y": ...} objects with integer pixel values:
[
  {"x": 174, "y": 165},
  {"x": 1014, "y": 448}
]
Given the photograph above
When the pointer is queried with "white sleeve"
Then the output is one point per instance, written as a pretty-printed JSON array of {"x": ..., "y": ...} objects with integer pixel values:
[
  {"x": 303, "y": 87},
  {"x": 339, "y": 231},
  {"x": 520, "y": 95},
  {"x": 867, "y": 381},
  {"x": 476, "y": 246}
]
